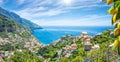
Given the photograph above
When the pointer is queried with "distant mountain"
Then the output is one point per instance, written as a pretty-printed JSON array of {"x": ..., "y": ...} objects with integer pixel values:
[{"x": 24, "y": 22}]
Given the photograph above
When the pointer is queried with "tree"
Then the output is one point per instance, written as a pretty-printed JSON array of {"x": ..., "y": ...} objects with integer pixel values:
[
  {"x": 24, "y": 56},
  {"x": 115, "y": 12},
  {"x": 78, "y": 59}
]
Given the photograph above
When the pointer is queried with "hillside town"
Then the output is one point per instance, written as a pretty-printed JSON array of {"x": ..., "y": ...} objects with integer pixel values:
[
  {"x": 12, "y": 42},
  {"x": 86, "y": 41}
]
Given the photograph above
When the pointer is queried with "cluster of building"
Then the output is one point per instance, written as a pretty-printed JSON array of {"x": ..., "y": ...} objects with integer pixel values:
[
  {"x": 10, "y": 39},
  {"x": 31, "y": 43},
  {"x": 7, "y": 54},
  {"x": 67, "y": 50},
  {"x": 66, "y": 38},
  {"x": 87, "y": 42},
  {"x": 32, "y": 46}
]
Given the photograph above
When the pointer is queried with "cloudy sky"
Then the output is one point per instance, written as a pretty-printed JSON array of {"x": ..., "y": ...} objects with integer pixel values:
[{"x": 61, "y": 12}]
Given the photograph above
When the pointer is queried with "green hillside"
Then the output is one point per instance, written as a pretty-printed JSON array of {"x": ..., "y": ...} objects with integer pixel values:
[{"x": 15, "y": 40}]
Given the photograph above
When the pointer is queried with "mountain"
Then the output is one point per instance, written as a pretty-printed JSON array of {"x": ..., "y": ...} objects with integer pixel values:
[
  {"x": 24, "y": 22},
  {"x": 7, "y": 25},
  {"x": 15, "y": 40}
]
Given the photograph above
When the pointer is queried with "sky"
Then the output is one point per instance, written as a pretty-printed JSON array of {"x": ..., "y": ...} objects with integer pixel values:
[{"x": 61, "y": 12}]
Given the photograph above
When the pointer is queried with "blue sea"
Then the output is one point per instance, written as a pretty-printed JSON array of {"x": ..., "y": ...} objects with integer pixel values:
[{"x": 49, "y": 34}]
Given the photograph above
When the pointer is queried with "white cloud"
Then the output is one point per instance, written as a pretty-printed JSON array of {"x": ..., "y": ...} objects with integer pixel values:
[
  {"x": 94, "y": 20},
  {"x": 57, "y": 7},
  {"x": 35, "y": 10}
]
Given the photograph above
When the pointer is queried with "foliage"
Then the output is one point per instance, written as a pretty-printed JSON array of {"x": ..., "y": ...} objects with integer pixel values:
[
  {"x": 7, "y": 24},
  {"x": 64, "y": 59},
  {"x": 79, "y": 54},
  {"x": 24, "y": 56},
  {"x": 115, "y": 12},
  {"x": 11, "y": 47},
  {"x": 103, "y": 38},
  {"x": 14, "y": 37},
  {"x": 78, "y": 59}
]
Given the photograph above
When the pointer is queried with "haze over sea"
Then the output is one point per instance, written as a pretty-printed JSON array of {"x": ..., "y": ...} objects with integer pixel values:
[{"x": 52, "y": 33}]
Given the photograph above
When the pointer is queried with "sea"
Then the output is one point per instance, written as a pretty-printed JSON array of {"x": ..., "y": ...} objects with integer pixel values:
[{"x": 50, "y": 34}]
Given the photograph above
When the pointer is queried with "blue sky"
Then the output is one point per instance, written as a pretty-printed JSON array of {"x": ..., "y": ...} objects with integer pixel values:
[{"x": 61, "y": 12}]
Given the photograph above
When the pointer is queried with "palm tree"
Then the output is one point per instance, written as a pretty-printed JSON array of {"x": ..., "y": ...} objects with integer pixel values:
[{"x": 115, "y": 12}]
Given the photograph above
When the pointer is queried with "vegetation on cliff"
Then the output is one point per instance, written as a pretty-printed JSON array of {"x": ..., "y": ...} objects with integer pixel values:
[
  {"x": 17, "y": 42},
  {"x": 64, "y": 51}
]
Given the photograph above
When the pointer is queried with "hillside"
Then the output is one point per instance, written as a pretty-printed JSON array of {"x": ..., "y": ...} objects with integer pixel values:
[
  {"x": 24, "y": 22},
  {"x": 83, "y": 48},
  {"x": 15, "y": 38},
  {"x": 17, "y": 44},
  {"x": 6, "y": 25}
]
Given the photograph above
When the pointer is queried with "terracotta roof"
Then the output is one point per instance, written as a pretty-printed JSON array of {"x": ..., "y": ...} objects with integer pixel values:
[
  {"x": 73, "y": 45},
  {"x": 88, "y": 39},
  {"x": 1, "y": 59},
  {"x": 87, "y": 43}
]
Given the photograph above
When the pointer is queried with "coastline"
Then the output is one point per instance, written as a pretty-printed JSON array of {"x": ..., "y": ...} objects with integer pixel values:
[
  {"x": 74, "y": 37},
  {"x": 48, "y": 35}
]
